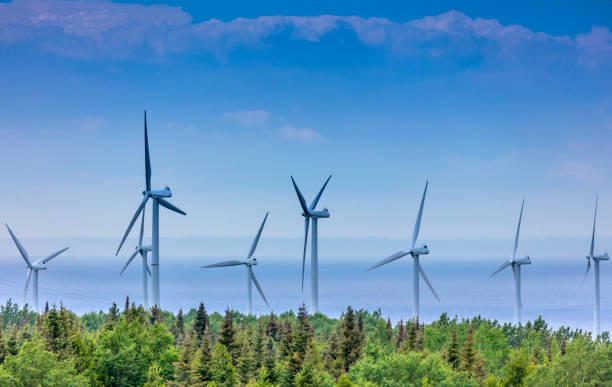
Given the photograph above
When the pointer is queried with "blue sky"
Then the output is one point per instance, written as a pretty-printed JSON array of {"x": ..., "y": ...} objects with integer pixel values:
[{"x": 489, "y": 102}]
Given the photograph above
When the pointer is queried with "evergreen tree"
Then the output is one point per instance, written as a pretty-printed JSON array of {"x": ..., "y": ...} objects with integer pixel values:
[
  {"x": 273, "y": 328},
  {"x": 180, "y": 327},
  {"x": 412, "y": 334},
  {"x": 184, "y": 365},
  {"x": 401, "y": 334},
  {"x": 270, "y": 362},
  {"x": 452, "y": 350},
  {"x": 46, "y": 307},
  {"x": 245, "y": 362},
  {"x": 350, "y": 344},
  {"x": 419, "y": 343},
  {"x": 201, "y": 368},
  {"x": 200, "y": 324},
  {"x": 286, "y": 344},
  {"x": 227, "y": 333},
  {"x": 156, "y": 315},
  {"x": 113, "y": 314},
  {"x": 221, "y": 367},
  {"x": 332, "y": 358},
  {"x": 259, "y": 345},
  {"x": 389, "y": 328},
  {"x": 303, "y": 335},
  {"x": 126, "y": 307}
]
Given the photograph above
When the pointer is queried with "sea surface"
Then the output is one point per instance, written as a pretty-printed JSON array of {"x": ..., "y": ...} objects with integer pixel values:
[{"x": 555, "y": 289}]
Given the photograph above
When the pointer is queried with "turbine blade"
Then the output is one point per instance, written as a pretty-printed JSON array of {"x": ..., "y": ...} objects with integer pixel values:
[
  {"x": 148, "y": 270},
  {"x": 300, "y": 197},
  {"x": 258, "y": 287},
  {"x": 50, "y": 257},
  {"x": 313, "y": 205},
  {"x": 417, "y": 225},
  {"x": 140, "y": 208},
  {"x": 223, "y": 264},
  {"x": 22, "y": 251},
  {"x": 306, "y": 223},
  {"x": 129, "y": 261},
  {"x": 593, "y": 235},
  {"x": 147, "y": 157},
  {"x": 25, "y": 289},
  {"x": 518, "y": 230},
  {"x": 427, "y": 281},
  {"x": 256, "y": 240},
  {"x": 142, "y": 228},
  {"x": 171, "y": 206},
  {"x": 588, "y": 267},
  {"x": 391, "y": 258},
  {"x": 502, "y": 267}
]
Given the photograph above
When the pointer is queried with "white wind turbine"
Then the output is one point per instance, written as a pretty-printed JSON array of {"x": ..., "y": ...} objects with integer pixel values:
[
  {"x": 158, "y": 197},
  {"x": 143, "y": 251},
  {"x": 516, "y": 263},
  {"x": 35, "y": 267},
  {"x": 415, "y": 253},
  {"x": 596, "y": 259},
  {"x": 310, "y": 213},
  {"x": 248, "y": 263}
]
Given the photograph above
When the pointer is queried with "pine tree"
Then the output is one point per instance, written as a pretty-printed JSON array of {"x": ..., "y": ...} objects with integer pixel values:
[
  {"x": 126, "y": 308},
  {"x": 227, "y": 333},
  {"x": 563, "y": 343},
  {"x": 412, "y": 334},
  {"x": 201, "y": 367},
  {"x": 221, "y": 367},
  {"x": 419, "y": 343},
  {"x": 389, "y": 330},
  {"x": 156, "y": 314},
  {"x": 350, "y": 344},
  {"x": 184, "y": 365},
  {"x": 246, "y": 362},
  {"x": 201, "y": 323},
  {"x": 286, "y": 344},
  {"x": 401, "y": 334},
  {"x": 303, "y": 335},
  {"x": 273, "y": 328},
  {"x": 470, "y": 360},
  {"x": 259, "y": 345},
  {"x": 180, "y": 326},
  {"x": 451, "y": 353},
  {"x": 113, "y": 314},
  {"x": 331, "y": 356},
  {"x": 46, "y": 307},
  {"x": 269, "y": 362}
]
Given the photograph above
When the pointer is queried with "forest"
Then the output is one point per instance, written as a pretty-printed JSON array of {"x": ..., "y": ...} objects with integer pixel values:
[{"x": 137, "y": 347}]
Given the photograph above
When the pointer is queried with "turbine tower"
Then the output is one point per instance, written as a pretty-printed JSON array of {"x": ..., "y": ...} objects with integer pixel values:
[
  {"x": 516, "y": 264},
  {"x": 248, "y": 263},
  {"x": 159, "y": 198},
  {"x": 309, "y": 213},
  {"x": 415, "y": 253},
  {"x": 596, "y": 259},
  {"x": 143, "y": 251},
  {"x": 35, "y": 267}
]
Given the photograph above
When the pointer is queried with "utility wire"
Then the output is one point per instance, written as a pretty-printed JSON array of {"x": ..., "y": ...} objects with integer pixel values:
[{"x": 57, "y": 292}]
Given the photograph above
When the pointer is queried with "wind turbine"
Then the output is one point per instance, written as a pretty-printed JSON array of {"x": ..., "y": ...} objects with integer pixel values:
[
  {"x": 41, "y": 264},
  {"x": 516, "y": 263},
  {"x": 309, "y": 213},
  {"x": 596, "y": 259},
  {"x": 415, "y": 253},
  {"x": 159, "y": 198},
  {"x": 143, "y": 251},
  {"x": 248, "y": 263}
]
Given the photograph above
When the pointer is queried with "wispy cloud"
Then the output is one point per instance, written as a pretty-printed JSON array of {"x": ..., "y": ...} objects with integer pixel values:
[
  {"x": 104, "y": 28},
  {"x": 299, "y": 134},
  {"x": 248, "y": 117},
  {"x": 580, "y": 171}
]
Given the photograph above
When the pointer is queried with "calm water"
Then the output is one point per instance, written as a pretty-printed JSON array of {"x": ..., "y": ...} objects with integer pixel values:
[{"x": 556, "y": 290}]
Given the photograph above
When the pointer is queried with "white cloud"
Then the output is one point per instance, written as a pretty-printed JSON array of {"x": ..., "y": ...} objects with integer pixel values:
[
  {"x": 248, "y": 117},
  {"x": 104, "y": 28},
  {"x": 300, "y": 134}
]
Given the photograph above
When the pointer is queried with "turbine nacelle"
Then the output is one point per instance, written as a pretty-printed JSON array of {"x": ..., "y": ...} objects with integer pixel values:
[
  {"x": 423, "y": 250},
  {"x": 143, "y": 248},
  {"x": 522, "y": 261},
  {"x": 324, "y": 213},
  {"x": 251, "y": 262},
  {"x": 38, "y": 266},
  {"x": 160, "y": 193},
  {"x": 600, "y": 257}
]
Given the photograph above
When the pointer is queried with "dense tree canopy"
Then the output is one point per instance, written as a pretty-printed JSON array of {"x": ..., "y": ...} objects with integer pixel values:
[{"x": 136, "y": 347}]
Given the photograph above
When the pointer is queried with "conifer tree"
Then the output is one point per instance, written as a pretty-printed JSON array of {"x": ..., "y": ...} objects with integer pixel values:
[
  {"x": 419, "y": 343},
  {"x": 245, "y": 362},
  {"x": 46, "y": 307},
  {"x": 184, "y": 365},
  {"x": 303, "y": 335},
  {"x": 201, "y": 323},
  {"x": 113, "y": 314},
  {"x": 222, "y": 369},
  {"x": 470, "y": 360},
  {"x": 201, "y": 367},
  {"x": 389, "y": 330},
  {"x": 273, "y": 328},
  {"x": 412, "y": 334},
  {"x": 401, "y": 334},
  {"x": 563, "y": 343},
  {"x": 451, "y": 353},
  {"x": 180, "y": 326},
  {"x": 126, "y": 307},
  {"x": 549, "y": 353},
  {"x": 269, "y": 362},
  {"x": 156, "y": 314},
  {"x": 227, "y": 333},
  {"x": 286, "y": 344},
  {"x": 331, "y": 356},
  {"x": 350, "y": 345},
  {"x": 259, "y": 345}
]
